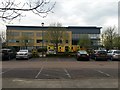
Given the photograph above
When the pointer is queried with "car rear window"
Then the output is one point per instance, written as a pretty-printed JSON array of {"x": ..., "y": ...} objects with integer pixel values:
[
  {"x": 102, "y": 52},
  {"x": 4, "y": 51}
]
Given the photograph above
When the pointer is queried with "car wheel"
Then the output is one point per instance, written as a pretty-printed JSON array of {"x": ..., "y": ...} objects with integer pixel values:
[
  {"x": 111, "y": 58},
  {"x": 28, "y": 58},
  {"x": 95, "y": 58},
  {"x": 9, "y": 57},
  {"x": 78, "y": 59}
]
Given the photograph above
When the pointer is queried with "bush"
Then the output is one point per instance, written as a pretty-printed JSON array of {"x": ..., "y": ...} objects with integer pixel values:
[
  {"x": 65, "y": 54},
  {"x": 42, "y": 50}
]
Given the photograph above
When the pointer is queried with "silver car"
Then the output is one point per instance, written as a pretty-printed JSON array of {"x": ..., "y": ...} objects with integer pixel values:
[
  {"x": 114, "y": 54},
  {"x": 23, "y": 54}
]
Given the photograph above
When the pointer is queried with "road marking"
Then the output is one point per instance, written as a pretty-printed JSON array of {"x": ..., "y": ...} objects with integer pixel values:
[
  {"x": 40, "y": 69},
  {"x": 39, "y": 72},
  {"x": 103, "y": 73},
  {"x": 67, "y": 73},
  {"x": 5, "y": 71}
]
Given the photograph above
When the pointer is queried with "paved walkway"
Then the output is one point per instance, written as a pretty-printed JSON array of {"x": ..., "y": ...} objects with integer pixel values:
[{"x": 55, "y": 83}]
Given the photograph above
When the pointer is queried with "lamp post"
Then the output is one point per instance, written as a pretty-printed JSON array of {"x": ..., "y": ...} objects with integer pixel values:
[{"x": 42, "y": 38}]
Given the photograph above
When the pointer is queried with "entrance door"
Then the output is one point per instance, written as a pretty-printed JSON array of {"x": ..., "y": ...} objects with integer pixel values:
[{"x": 66, "y": 48}]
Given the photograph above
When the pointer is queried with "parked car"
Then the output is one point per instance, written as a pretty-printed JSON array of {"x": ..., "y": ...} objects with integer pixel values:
[
  {"x": 100, "y": 55},
  {"x": 114, "y": 54},
  {"x": 51, "y": 51},
  {"x": 23, "y": 54},
  {"x": 82, "y": 55},
  {"x": 7, "y": 54}
]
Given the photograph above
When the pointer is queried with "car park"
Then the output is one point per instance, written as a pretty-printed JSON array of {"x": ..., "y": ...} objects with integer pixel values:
[
  {"x": 23, "y": 54},
  {"x": 100, "y": 55},
  {"x": 82, "y": 55},
  {"x": 7, "y": 54},
  {"x": 113, "y": 54}
]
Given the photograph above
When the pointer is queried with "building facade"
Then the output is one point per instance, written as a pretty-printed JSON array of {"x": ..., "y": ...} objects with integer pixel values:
[{"x": 33, "y": 36}]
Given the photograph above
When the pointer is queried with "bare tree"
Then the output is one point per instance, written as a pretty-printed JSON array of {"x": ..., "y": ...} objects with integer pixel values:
[
  {"x": 11, "y": 9},
  {"x": 26, "y": 41},
  {"x": 3, "y": 36},
  {"x": 56, "y": 35},
  {"x": 108, "y": 37}
]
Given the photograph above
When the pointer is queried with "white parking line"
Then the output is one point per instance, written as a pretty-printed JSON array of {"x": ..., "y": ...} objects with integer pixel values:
[
  {"x": 5, "y": 71},
  {"x": 103, "y": 73},
  {"x": 40, "y": 69},
  {"x": 67, "y": 73},
  {"x": 39, "y": 72}
]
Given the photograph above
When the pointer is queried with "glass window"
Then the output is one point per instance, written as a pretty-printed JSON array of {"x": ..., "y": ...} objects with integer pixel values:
[
  {"x": 39, "y": 34},
  {"x": 13, "y": 41},
  {"x": 66, "y": 41},
  {"x": 27, "y": 33},
  {"x": 60, "y": 41},
  {"x": 17, "y": 41},
  {"x": 13, "y": 33},
  {"x": 39, "y": 41},
  {"x": 94, "y": 36}
]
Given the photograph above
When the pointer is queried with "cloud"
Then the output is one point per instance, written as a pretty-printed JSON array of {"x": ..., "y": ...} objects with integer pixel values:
[{"x": 78, "y": 13}]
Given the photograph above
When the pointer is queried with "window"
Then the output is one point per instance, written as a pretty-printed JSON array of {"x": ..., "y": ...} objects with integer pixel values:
[
  {"x": 28, "y": 41},
  {"x": 17, "y": 41},
  {"x": 39, "y": 41},
  {"x": 75, "y": 36},
  {"x": 66, "y": 41},
  {"x": 71, "y": 47},
  {"x": 27, "y": 33},
  {"x": 60, "y": 41},
  {"x": 94, "y": 36},
  {"x": 13, "y": 33},
  {"x": 39, "y": 34}
]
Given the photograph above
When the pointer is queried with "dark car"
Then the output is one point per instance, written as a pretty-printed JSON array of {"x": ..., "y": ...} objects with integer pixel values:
[
  {"x": 100, "y": 55},
  {"x": 7, "y": 54},
  {"x": 82, "y": 55}
]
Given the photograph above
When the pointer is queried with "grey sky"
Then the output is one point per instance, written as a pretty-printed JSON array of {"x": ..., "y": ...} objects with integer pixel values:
[{"x": 76, "y": 13}]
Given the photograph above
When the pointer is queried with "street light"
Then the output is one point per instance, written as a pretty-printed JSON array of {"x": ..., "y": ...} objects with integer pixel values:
[{"x": 42, "y": 38}]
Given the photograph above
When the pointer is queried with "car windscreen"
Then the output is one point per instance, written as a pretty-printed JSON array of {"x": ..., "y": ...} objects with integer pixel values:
[
  {"x": 102, "y": 52},
  {"x": 118, "y": 52},
  {"x": 23, "y": 51},
  {"x": 109, "y": 51},
  {"x": 82, "y": 52}
]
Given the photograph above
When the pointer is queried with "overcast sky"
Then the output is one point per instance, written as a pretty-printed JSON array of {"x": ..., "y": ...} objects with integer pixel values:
[{"x": 76, "y": 13}]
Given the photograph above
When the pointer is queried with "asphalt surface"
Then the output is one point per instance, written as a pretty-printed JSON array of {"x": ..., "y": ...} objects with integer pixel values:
[{"x": 59, "y": 73}]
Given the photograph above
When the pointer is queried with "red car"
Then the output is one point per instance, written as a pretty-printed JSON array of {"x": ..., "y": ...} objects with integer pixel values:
[{"x": 100, "y": 55}]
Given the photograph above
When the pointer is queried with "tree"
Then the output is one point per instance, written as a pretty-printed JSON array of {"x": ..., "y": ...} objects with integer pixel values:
[
  {"x": 26, "y": 41},
  {"x": 56, "y": 35},
  {"x": 108, "y": 37},
  {"x": 9, "y": 9},
  {"x": 84, "y": 41},
  {"x": 3, "y": 36},
  {"x": 116, "y": 41}
]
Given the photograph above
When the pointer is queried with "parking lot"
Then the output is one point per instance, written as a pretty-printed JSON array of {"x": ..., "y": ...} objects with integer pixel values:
[{"x": 59, "y": 71}]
